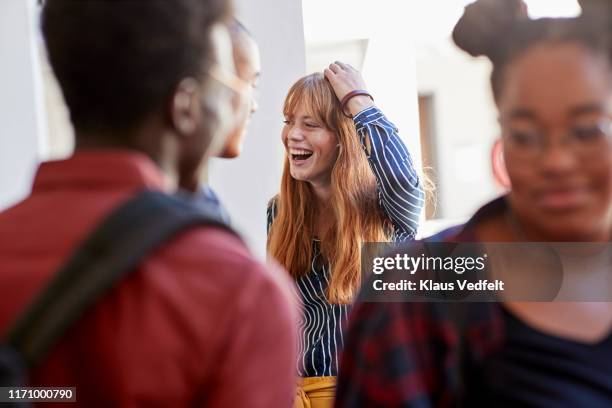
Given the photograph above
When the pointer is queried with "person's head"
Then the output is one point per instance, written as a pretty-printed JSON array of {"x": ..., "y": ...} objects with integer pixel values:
[
  {"x": 552, "y": 83},
  {"x": 248, "y": 68},
  {"x": 323, "y": 149},
  {"x": 137, "y": 74},
  {"x": 312, "y": 131}
]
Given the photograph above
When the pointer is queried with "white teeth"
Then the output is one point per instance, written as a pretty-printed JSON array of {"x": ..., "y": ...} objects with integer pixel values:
[{"x": 299, "y": 151}]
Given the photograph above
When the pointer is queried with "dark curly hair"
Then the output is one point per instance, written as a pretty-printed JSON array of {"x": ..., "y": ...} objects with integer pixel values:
[
  {"x": 118, "y": 60},
  {"x": 502, "y": 30}
]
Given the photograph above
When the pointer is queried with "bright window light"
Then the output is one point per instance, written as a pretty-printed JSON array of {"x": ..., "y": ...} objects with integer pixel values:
[
  {"x": 549, "y": 8},
  {"x": 436, "y": 18},
  {"x": 553, "y": 8}
]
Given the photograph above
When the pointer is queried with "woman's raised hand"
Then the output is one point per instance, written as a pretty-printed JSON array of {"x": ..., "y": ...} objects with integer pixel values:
[{"x": 344, "y": 79}]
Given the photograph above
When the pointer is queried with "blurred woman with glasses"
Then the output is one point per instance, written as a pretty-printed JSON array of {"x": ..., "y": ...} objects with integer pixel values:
[{"x": 552, "y": 84}]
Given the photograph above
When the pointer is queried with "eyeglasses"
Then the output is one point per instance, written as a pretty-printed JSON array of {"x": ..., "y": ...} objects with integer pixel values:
[
  {"x": 230, "y": 80},
  {"x": 587, "y": 141}
]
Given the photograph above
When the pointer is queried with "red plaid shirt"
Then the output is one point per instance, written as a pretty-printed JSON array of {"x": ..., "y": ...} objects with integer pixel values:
[{"x": 412, "y": 354}]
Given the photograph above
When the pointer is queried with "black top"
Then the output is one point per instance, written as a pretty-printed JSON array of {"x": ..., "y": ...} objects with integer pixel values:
[{"x": 540, "y": 370}]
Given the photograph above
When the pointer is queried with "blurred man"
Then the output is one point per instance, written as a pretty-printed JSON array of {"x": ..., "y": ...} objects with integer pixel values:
[
  {"x": 200, "y": 322},
  {"x": 245, "y": 53}
]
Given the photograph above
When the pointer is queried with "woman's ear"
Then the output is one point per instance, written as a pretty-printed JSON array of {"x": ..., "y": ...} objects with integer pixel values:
[
  {"x": 185, "y": 109},
  {"x": 498, "y": 165}
]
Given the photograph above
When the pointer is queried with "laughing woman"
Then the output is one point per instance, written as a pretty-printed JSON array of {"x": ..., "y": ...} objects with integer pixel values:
[{"x": 348, "y": 179}]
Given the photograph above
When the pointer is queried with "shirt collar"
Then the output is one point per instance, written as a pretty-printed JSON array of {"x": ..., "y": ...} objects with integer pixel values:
[
  {"x": 468, "y": 232},
  {"x": 119, "y": 169}
]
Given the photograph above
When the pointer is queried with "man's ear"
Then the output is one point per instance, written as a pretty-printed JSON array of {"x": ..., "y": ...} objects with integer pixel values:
[{"x": 185, "y": 109}]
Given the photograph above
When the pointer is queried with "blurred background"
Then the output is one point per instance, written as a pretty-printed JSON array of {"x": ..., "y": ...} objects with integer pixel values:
[{"x": 438, "y": 97}]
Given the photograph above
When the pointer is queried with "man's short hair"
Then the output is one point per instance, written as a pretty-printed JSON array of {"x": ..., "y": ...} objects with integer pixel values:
[{"x": 118, "y": 60}]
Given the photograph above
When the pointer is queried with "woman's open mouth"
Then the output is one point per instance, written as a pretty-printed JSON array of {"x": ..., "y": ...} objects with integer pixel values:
[{"x": 300, "y": 156}]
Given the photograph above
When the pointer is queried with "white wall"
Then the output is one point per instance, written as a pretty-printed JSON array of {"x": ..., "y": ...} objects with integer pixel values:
[
  {"x": 247, "y": 183},
  {"x": 22, "y": 130},
  {"x": 465, "y": 129},
  {"x": 389, "y": 66}
]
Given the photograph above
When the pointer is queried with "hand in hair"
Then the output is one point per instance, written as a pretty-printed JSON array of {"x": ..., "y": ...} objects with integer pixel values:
[{"x": 344, "y": 79}]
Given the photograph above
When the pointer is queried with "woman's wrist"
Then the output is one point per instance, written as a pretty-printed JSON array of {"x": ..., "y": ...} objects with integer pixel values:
[
  {"x": 358, "y": 104},
  {"x": 355, "y": 101}
]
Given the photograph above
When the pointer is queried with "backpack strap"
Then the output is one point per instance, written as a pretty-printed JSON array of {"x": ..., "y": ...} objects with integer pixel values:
[{"x": 114, "y": 249}]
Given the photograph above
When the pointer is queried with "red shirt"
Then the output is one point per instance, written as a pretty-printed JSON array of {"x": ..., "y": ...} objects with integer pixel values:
[{"x": 199, "y": 323}]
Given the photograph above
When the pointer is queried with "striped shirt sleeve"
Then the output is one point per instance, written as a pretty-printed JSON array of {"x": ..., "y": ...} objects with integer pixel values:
[{"x": 400, "y": 192}]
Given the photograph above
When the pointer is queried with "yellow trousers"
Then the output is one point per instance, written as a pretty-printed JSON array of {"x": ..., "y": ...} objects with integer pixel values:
[{"x": 316, "y": 392}]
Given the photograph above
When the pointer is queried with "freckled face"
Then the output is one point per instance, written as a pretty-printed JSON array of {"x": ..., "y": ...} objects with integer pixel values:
[{"x": 311, "y": 148}]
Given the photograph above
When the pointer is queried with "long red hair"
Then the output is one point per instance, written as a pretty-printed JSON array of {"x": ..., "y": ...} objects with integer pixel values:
[{"x": 354, "y": 203}]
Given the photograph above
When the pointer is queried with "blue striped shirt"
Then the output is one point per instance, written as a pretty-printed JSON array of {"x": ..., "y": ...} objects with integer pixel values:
[{"x": 401, "y": 198}]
